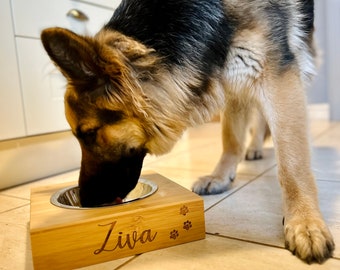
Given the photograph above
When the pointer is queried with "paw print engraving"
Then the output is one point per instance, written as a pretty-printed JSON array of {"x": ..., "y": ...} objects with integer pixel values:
[
  {"x": 174, "y": 234},
  {"x": 187, "y": 225},
  {"x": 184, "y": 210}
]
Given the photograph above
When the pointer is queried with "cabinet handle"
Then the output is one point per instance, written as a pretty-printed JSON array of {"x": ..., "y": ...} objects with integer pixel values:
[{"x": 77, "y": 14}]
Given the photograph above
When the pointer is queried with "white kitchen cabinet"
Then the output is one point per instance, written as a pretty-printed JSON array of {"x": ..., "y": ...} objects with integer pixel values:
[
  {"x": 43, "y": 89},
  {"x": 32, "y": 89},
  {"x": 42, "y": 85},
  {"x": 12, "y": 122},
  {"x": 31, "y": 17}
]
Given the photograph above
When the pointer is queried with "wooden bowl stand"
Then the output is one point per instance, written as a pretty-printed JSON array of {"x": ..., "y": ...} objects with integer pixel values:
[{"x": 64, "y": 238}]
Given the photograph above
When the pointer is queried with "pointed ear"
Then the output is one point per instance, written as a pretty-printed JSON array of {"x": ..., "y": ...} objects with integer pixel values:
[
  {"x": 140, "y": 57},
  {"x": 73, "y": 54}
]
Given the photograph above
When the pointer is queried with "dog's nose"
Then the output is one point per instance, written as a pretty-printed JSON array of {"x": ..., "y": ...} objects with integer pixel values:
[{"x": 108, "y": 182}]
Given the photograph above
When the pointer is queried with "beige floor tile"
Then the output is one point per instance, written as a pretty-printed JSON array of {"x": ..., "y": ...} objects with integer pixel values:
[
  {"x": 329, "y": 200},
  {"x": 326, "y": 154},
  {"x": 221, "y": 253},
  {"x": 193, "y": 138},
  {"x": 326, "y": 162},
  {"x": 8, "y": 203},
  {"x": 200, "y": 148},
  {"x": 24, "y": 191},
  {"x": 206, "y": 157},
  {"x": 115, "y": 264},
  {"x": 255, "y": 214},
  {"x": 15, "y": 246},
  {"x": 330, "y": 137},
  {"x": 317, "y": 128},
  {"x": 203, "y": 158},
  {"x": 186, "y": 178},
  {"x": 182, "y": 177},
  {"x": 207, "y": 134},
  {"x": 257, "y": 167}
]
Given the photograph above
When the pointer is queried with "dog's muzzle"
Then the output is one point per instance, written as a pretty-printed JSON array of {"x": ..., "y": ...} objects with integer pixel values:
[{"x": 105, "y": 182}]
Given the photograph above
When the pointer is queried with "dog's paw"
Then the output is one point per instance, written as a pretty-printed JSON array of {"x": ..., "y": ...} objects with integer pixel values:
[
  {"x": 309, "y": 240},
  {"x": 254, "y": 154},
  {"x": 210, "y": 184}
]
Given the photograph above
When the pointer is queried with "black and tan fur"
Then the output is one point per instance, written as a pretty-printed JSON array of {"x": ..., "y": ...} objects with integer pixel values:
[{"x": 160, "y": 66}]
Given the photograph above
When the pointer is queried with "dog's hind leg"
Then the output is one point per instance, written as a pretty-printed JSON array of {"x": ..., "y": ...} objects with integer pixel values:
[
  {"x": 259, "y": 132},
  {"x": 234, "y": 124},
  {"x": 306, "y": 233}
]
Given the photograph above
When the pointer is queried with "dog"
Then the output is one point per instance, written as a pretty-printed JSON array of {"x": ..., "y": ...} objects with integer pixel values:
[{"x": 160, "y": 66}]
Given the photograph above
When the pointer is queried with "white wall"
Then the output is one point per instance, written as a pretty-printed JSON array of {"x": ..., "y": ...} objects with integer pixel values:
[
  {"x": 317, "y": 92},
  {"x": 325, "y": 87},
  {"x": 333, "y": 56}
]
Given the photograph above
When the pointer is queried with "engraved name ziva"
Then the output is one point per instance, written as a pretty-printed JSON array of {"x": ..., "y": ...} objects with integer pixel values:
[{"x": 119, "y": 240}]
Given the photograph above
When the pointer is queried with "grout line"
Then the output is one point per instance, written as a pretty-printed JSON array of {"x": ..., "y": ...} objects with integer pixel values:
[
  {"x": 14, "y": 197},
  {"x": 241, "y": 187},
  {"x": 328, "y": 180},
  {"x": 15, "y": 208},
  {"x": 253, "y": 242},
  {"x": 244, "y": 240},
  {"x": 127, "y": 262}
]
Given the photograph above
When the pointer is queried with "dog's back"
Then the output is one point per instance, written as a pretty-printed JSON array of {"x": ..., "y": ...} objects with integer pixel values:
[
  {"x": 188, "y": 33},
  {"x": 200, "y": 34}
]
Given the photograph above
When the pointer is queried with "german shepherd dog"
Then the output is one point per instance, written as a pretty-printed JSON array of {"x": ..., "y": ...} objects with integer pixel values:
[{"x": 160, "y": 66}]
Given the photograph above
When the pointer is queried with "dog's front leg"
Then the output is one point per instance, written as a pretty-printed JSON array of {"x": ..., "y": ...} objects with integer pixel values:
[
  {"x": 306, "y": 233},
  {"x": 234, "y": 123}
]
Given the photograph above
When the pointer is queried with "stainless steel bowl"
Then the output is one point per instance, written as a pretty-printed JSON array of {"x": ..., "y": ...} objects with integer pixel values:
[{"x": 69, "y": 197}]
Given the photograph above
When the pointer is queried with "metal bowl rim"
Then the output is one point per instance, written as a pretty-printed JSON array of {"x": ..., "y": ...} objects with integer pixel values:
[{"x": 56, "y": 195}]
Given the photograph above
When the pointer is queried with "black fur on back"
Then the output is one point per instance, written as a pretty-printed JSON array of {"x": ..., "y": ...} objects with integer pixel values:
[
  {"x": 307, "y": 9},
  {"x": 279, "y": 15},
  {"x": 197, "y": 32}
]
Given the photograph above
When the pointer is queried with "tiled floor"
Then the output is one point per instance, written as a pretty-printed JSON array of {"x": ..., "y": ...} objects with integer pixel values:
[{"x": 243, "y": 225}]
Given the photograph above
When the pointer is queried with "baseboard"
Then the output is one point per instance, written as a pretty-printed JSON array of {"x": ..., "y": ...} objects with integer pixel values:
[{"x": 28, "y": 159}]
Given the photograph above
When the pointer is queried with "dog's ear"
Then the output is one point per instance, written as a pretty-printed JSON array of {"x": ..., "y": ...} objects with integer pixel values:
[
  {"x": 135, "y": 51},
  {"x": 141, "y": 58},
  {"x": 73, "y": 54}
]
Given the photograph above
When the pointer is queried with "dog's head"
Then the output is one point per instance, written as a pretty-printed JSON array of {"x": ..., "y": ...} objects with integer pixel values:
[{"x": 105, "y": 107}]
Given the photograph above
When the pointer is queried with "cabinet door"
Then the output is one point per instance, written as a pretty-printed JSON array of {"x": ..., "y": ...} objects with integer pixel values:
[
  {"x": 43, "y": 88},
  {"x": 104, "y": 3},
  {"x": 31, "y": 17},
  {"x": 42, "y": 84},
  {"x": 11, "y": 111}
]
